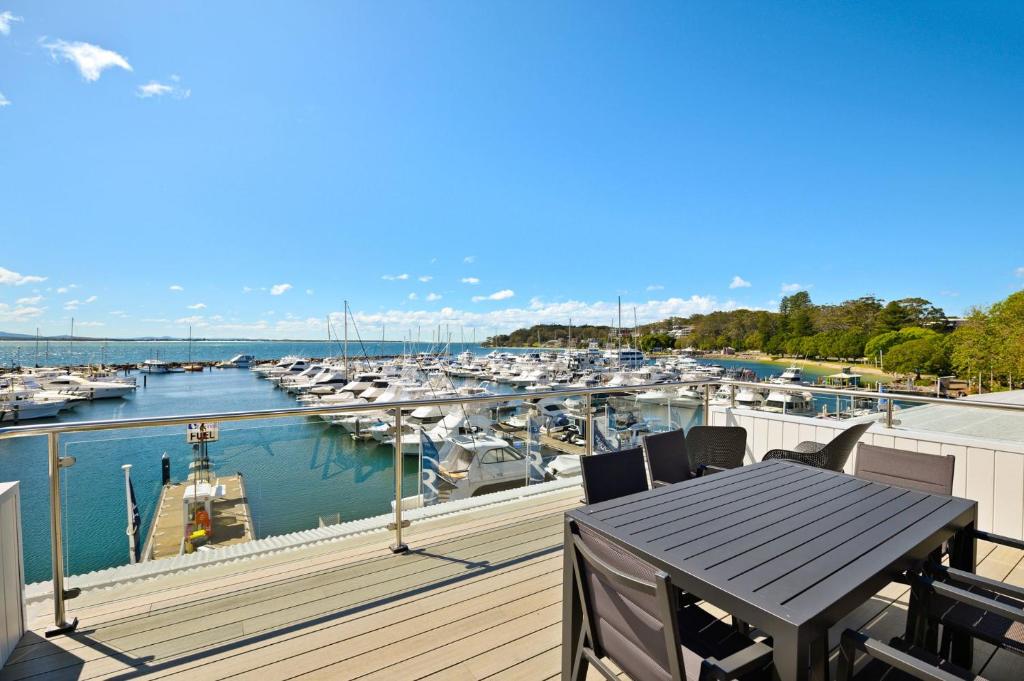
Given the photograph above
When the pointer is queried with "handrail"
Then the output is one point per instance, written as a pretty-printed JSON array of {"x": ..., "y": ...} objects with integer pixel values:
[
  {"x": 847, "y": 392},
  {"x": 152, "y": 421},
  {"x": 53, "y": 431}
]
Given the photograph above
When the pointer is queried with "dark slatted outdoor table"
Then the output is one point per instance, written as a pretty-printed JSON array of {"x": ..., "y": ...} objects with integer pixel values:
[{"x": 785, "y": 547}]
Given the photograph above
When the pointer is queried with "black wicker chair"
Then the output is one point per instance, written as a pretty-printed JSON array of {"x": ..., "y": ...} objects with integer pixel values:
[
  {"x": 666, "y": 458},
  {"x": 613, "y": 475},
  {"x": 632, "y": 616},
  {"x": 716, "y": 448},
  {"x": 831, "y": 456}
]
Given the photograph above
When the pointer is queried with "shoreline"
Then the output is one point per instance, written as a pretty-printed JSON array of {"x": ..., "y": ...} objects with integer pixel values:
[{"x": 862, "y": 369}]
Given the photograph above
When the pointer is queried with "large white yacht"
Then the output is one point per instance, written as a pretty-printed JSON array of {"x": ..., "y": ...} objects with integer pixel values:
[
  {"x": 96, "y": 390},
  {"x": 792, "y": 375},
  {"x": 786, "y": 402},
  {"x": 626, "y": 358}
]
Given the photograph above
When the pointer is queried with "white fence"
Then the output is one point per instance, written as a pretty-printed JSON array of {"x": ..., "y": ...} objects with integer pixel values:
[{"x": 988, "y": 471}]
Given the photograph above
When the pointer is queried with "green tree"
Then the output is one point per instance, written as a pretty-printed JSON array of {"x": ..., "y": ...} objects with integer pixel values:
[{"x": 927, "y": 355}]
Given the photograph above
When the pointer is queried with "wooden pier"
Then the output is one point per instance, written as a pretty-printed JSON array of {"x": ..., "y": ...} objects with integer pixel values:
[
  {"x": 546, "y": 441},
  {"x": 231, "y": 519}
]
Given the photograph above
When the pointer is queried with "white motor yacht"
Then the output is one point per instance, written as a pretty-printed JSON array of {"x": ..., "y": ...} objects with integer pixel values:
[
  {"x": 83, "y": 387},
  {"x": 791, "y": 376},
  {"x": 786, "y": 402},
  {"x": 237, "y": 362},
  {"x": 155, "y": 366}
]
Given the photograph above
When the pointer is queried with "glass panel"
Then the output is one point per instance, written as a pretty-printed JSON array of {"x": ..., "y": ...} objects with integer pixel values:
[
  {"x": 254, "y": 480},
  {"x": 25, "y": 459}
]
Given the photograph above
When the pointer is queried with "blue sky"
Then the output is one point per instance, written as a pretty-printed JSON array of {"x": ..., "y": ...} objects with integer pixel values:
[{"x": 245, "y": 168}]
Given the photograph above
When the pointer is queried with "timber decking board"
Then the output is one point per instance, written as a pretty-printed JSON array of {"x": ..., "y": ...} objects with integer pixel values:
[{"x": 368, "y": 615}]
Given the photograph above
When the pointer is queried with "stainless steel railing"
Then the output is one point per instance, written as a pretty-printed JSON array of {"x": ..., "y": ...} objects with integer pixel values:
[{"x": 53, "y": 432}]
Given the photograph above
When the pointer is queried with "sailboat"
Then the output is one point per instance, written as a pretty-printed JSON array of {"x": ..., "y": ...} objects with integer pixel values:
[{"x": 190, "y": 366}]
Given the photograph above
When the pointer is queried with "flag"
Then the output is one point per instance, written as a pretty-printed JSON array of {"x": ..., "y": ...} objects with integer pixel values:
[
  {"x": 534, "y": 460},
  {"x": 430, "y": 462},
  {"x": 136, "y": 527}
]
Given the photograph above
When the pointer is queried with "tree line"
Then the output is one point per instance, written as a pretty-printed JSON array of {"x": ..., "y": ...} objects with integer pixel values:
[{"x": 905, "y": 336}]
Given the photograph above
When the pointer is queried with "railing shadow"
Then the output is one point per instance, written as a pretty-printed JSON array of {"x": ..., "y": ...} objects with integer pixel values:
[{"x": 144, "y": 666}]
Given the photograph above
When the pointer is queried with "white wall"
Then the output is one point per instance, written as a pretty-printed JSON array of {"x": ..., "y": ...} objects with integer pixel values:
[
  {"x": 989, "y": 471},
  {"x": 12, "y": 576}
]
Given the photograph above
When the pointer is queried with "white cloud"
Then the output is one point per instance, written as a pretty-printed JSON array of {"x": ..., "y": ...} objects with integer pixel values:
[
  {"x": 119, "y": 313},
  {"x": 31, "y": 300},
  {"x": 6, "y": 19},
  {"x": 433, "y": 296},
  {"x": 395, "y": 277},
  {"x": 246, "y": 289},
  {"x": 194, "y": 320},
  {"x": 76, "y": 303},
  {"x": 413, "y": 296},
  {"x": 425, "y": 278},
  {"x": 11, "y": 278},
  {"x": 469, "y": 259},
  {"x": 157, "y": 89},
  {"x": 91, "y": 60},
  {"x": 197, "y": 306},
  {"x": 739, "y": 282},
  {"x": 90, "y": 323},
  {"x": 157, "y": 321},
  {"x": 792, "y": 288},
  {"x": 1019, "y": 271},
  {"x": 503, "y": 294},
  {"x": 62, "y": 289},
  {"x": 278, "y": 289},
  {"x": 4, "y": 101},
  {"x": 309, "y": 291},
  {"x": 19, "y": 313},
  {"x": 175, "y": 287},
  {"x": 470, "y": 280},
  {"x": 655, "y": 287}
]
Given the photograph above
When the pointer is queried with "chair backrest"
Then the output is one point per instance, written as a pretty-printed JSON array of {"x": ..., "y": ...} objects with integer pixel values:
[
  {"x": 930, "y": 473},
  {"x": 629, "y": 608},
  {"x": 613, "y": 475},
  {"x": 719, "y": 446},
  {"x": 666, "y": 456},
  {"x": 837, "y": 451}
]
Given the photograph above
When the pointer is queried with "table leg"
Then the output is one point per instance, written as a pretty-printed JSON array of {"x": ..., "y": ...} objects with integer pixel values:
[
  {"x": 789, "y": 657},
  {"x": 962, "y": 556},
  {"x": 819, "y": 658},
  {"x": 572, "y": 614}
]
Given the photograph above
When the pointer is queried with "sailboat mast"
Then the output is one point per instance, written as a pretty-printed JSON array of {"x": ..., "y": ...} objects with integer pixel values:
[
  {"x": 37, "y": 346},
  {"x": 346, "y": 341},
  {"x": 618, "y": 334}
]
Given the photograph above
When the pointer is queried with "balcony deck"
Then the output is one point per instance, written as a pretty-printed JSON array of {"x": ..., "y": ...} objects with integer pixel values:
[{"x": 478, "y": 597}]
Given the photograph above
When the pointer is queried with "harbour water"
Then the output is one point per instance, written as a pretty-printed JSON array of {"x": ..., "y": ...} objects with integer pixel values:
[{"x": 296, "y": 470}]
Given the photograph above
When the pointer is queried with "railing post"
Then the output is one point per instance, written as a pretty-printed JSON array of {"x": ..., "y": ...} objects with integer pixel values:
[
  {"x": 707, "y": 404},
  {"x": 732, "y": 395},
  {"x": 398, "y": 546},
  {"x": 888, "y": 413},
  {"x": 61, "y": 625},
  {"x": 590, "y": 425}
]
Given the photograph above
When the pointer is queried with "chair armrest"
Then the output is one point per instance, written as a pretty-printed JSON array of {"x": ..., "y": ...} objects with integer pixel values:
[
  {"x": 660, "y": 483},
  {"x": 977, "y": 580},
  {"x": 785, "y": 454},
  {"x": 894, "y": 657},
  {"x": 750, "y": 659},
  {"x": 987, "y": 604},
  {"x": 809, "y": 447},
  {"x": 1000, "y": 539},
  {"x": 707, "y": 469}
]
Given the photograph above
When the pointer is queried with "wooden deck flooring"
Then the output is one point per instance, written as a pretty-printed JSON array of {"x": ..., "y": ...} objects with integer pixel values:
[{"x": 478, "y": 597}]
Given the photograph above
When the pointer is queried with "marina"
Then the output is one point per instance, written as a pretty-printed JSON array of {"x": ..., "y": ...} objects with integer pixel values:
[{"x": 343, "y": 477}]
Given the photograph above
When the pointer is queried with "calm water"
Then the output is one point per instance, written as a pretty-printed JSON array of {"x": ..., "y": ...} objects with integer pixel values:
[
  {"x": 61, "y": 353},
  {"x": 295, "y": 470}
]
